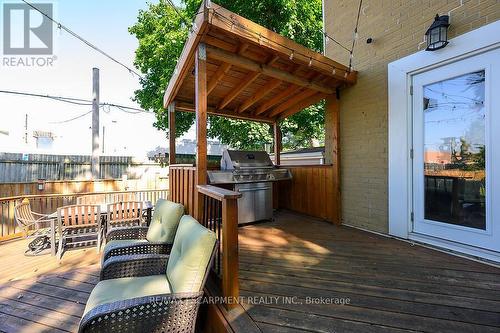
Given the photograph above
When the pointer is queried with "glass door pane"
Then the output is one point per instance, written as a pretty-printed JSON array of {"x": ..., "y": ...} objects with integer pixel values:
[{"x": 455, "y": 150}]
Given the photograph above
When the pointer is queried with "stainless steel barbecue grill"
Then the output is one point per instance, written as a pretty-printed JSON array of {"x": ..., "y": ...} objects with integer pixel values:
[{"x": 251, "y": 173}]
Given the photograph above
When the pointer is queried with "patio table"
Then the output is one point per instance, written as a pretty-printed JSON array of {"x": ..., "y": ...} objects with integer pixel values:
[{"x": 104, "y": 211}]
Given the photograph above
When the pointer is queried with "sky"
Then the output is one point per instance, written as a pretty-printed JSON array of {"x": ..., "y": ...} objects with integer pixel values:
[
  {"x": 455, "y": 110},
  {"x": 104, "y": 23}
]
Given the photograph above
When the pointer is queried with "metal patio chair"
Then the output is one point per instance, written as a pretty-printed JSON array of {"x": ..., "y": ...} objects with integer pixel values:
[
  {"x": 33, "y": 224},
  {"x": 124, "y": 214},
  {"x": 92, "y": 199},
  {"x": 153, "y": 293},
  {"x": 77, "y": 225}
]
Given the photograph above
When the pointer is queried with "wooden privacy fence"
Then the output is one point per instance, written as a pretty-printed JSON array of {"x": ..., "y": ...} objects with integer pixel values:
[
  {"x": 47, "y": 204},
  {"x": 17, "y": 167},
  {"x": 79, "y": 186}
]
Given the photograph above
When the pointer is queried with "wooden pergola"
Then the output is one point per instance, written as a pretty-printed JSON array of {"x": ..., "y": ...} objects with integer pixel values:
[{"x": 233, "y": 67}]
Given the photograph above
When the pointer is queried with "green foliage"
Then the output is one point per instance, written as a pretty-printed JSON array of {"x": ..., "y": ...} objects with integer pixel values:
[{"x": 161, "y": 35}]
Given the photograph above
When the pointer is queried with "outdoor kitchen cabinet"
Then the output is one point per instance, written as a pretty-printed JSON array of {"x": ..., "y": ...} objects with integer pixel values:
[{"x": 256, "y": 203}]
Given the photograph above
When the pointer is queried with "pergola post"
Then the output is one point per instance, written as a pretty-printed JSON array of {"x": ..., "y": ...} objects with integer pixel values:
[
  {"x": 332, "y": 150},
  {"x": 200, "y": 87},
  {"x": 277, "y": 143},
  {"x": 171, "y": 133}
]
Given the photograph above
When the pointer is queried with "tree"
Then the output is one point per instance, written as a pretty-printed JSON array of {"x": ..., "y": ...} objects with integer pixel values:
[{"x": 161, "y": 33}]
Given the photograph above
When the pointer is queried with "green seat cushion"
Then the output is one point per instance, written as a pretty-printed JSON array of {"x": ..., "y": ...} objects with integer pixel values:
[
  {"x": 190, "y": 256},
  {"x": 113, "y": 290},
  {"x": 164, "y": 221},
  {"x": 120, "y": 243}
]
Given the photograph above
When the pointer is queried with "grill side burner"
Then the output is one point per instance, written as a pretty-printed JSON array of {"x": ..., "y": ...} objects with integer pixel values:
[{"x": 251, "y": 173}]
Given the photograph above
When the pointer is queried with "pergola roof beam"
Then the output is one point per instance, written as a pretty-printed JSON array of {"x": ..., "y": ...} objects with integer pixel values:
[
  {"x": 224, "y": 69},
  {"x": 250, "y": 65},
  {"x": 252, "y": 76},
  {"x": 272, "y": 84},
  {"x": 221, "y": 71},
  {"x": 302, "y": 105},
  {"x": 188, "y": 107},
  {"x": 292, "y": 101},
  {"x": 278, "y": 98}
]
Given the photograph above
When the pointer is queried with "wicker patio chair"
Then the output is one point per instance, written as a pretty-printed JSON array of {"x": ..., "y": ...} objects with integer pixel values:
[
  {"x": 153, "y": 293},
  {"x": 155, "y": 239},
  {"x": 77, "y": 225},
  {"x": 33, "y": 224}
]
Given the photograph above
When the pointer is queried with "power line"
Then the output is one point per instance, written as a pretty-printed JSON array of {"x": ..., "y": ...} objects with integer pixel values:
[
  {"x": 71, "y": 119},
  {"x": 77, "y": 101},
  {"x": 61, "y": 26},
  {"x": 70, "y": 100}
]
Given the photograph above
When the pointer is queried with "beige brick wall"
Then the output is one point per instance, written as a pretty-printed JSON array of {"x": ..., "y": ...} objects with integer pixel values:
[{"x": 397, "y": 27}]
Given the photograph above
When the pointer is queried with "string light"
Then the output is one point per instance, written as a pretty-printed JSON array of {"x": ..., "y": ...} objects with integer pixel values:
[{"x": 292, "y": 51}]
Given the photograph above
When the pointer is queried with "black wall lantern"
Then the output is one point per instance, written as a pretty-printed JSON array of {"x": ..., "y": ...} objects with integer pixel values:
[{"x": 437, "y": 34}]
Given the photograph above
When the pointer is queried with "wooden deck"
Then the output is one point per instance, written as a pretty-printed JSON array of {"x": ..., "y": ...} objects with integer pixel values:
[{"x": 391, "y": 286}]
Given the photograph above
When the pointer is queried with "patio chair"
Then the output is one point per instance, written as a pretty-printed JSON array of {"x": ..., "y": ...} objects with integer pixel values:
[
  {"x": 33, "y": 224},
  {"x": 92, "y": 199},
  {"x": 124, "y": 214},
  {"x": 155, "y": 239},
  {"x": 153, "y": 293},
  {"x": 77, "y": 225}
]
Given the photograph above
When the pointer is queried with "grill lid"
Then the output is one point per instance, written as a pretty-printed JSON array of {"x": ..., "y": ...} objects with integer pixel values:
[{"x": 239, "y": 159}]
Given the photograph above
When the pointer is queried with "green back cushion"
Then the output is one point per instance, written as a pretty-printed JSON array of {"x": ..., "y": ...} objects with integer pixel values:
[
  {"x": 164, "y": 221},
  {"x": 190, "y": 256}
]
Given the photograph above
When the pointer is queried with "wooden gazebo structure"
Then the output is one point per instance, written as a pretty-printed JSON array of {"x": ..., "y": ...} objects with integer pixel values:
[{"x": 233, "y": 67}]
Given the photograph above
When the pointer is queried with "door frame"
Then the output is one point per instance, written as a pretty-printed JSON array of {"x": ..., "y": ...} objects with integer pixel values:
[{"x": 400, "y": 120}]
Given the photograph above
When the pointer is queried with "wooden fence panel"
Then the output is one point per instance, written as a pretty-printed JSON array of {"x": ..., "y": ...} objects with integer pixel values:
[
  {"x": 309, "y": 192},
  {"x": 182, "y": 186}
]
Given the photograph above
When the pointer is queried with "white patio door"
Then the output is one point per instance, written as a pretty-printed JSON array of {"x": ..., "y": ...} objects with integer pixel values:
[{"x": 456, "y": 152}]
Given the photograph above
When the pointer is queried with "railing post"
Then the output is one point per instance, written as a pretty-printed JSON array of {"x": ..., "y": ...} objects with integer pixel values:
[{"x": 230, "y": 261}]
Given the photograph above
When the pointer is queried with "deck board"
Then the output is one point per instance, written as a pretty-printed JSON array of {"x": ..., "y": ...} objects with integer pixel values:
[{"x": 392, "y": 286}]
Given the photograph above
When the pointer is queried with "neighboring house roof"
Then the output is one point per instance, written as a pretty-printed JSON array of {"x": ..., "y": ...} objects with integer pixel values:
[
  {"x": 43, "y": 134},
  {"x": 304, "y": 151}
]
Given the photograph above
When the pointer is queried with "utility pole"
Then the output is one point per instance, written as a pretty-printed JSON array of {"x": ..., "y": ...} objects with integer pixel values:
[
  {"x": 26, "y": 129},
  {"x": 95, "y": 124},
  {"x": 103, "y": 137}
]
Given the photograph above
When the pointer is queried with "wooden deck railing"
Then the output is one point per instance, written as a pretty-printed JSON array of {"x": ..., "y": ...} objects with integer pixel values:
[
  {"x": 220, "y": 214},
  {"x": 182, "y": 186},
  {"x": 48, "y": 203}
]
